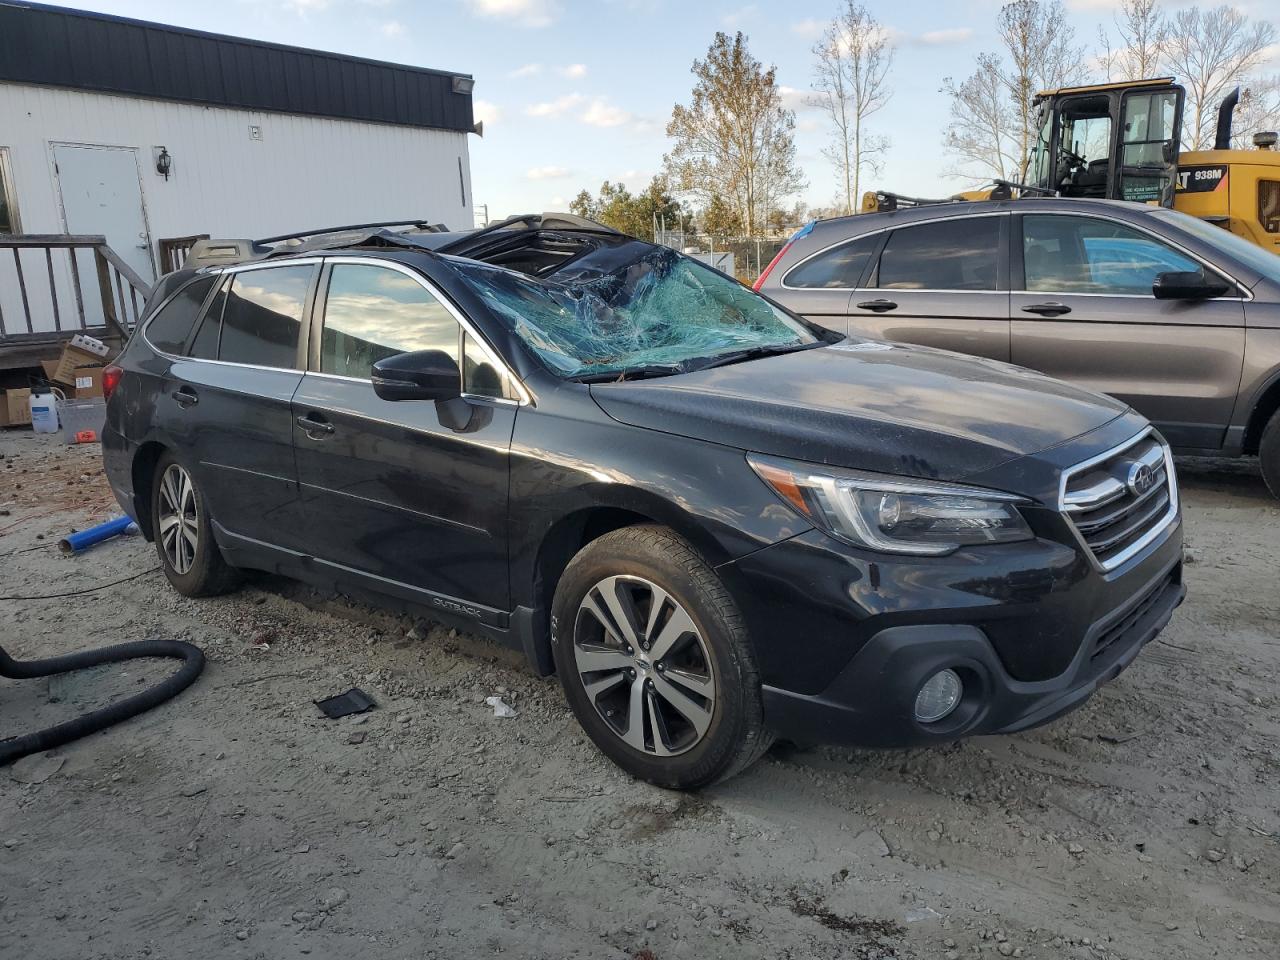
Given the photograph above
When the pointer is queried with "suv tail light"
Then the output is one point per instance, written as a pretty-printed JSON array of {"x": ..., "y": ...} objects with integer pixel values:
[
  {"x": 781, "y": 253},
  {"x": 110, "y": 379}
]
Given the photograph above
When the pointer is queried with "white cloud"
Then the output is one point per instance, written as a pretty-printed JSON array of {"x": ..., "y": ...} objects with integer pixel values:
[
  {"x": 601, "y": 113},
  {"x": 555, "y": 108},
  {"x": 548, "y": 173},
  {"x": 1084, "y": 6},
  {"x": 558, "y": 203},
  {"x": 574, "y": 71},
  {"x": 392, "y": 28},
  {"x": 808, "y": 28},
  {"x": 528, "y": 70},
  {"x": 525, "y": 13},
  {"x": 935, "y": 38},
  {"x": 737, "y": 18},
  {"x": 304, "y": 7},
  {"x": 486, "y": 112},
  {"x": 793, "y": 99}
]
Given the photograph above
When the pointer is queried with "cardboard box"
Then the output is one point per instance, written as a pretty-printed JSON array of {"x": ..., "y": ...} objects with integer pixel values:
[
  {"x": 88, "y": 384},
  {"x": 50, "y": 367},
  {"x": 16, "y": 410},
  {"x": 72, "y": 358}
]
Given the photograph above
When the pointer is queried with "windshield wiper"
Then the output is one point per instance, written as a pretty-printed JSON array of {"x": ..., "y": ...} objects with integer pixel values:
[
  {"x": 750, "y": 353},
  {"x": 644, "y": 372}
]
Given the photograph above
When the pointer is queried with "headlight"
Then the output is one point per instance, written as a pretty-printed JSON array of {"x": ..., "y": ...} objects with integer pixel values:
[{"x": 892, "y": 515}]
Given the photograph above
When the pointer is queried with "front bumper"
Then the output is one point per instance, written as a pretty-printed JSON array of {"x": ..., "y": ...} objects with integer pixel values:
[{"x": 1032, "y": 629}]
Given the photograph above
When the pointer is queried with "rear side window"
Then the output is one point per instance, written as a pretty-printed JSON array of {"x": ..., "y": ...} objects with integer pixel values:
[
  {"x": 170, "y": 327},
  {"x": 263, "y": 315},
  {"x": 959, "y": 254},
  {"x": 840, "y": 266},
  {"x": 204, "y": 345},
  {"x": 372, "y": 313}
]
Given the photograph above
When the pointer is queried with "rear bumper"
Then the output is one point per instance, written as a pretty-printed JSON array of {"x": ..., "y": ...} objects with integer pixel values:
[{"x": 870, "y": 702}]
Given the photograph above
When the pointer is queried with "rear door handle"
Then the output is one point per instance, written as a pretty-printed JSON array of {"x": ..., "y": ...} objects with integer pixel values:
[
  {"x": 313, "y": 426},
  {"x": 878, "y": 306},
  {"x": 1050, "y": 309},
  {"x": 185, "y": 396}
]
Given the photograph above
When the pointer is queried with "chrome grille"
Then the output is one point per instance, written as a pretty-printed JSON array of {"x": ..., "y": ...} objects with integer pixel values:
[{"x": 1121, "y": 501}]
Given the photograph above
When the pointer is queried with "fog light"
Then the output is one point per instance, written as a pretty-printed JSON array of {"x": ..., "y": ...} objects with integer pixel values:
[{"x": 939, "y": 696}]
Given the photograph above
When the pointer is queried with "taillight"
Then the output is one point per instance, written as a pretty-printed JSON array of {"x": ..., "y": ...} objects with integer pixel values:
[
  {"x": 110, "y": 378},
  {"x": 772, "y": 263}
]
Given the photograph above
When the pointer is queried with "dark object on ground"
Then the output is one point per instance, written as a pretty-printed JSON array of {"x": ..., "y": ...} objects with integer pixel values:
[
  {"x": 354, "y": 700},
  {"x": 192, "y": 663}
]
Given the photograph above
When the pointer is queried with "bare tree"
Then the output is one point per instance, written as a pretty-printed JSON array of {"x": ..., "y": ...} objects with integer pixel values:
[
  {"x": 1258, "y": 111},
  {"x": 735, "y": 140},
  {"x": 1143, "y": 35},
  {"x": 1211, "y": 51},
  {"x": 992, "y": 117},
  {"x": 980, "y": 132},
  {"x": 853, "y": 58}
]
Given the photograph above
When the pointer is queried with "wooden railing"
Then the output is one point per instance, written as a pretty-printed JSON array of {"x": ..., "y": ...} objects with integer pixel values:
[
  {"x": 48, "y": 294},
  {"x": 174, "y": 250}
]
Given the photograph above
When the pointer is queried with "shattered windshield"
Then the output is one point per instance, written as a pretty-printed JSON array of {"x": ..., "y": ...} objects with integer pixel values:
[{"x": 663, "y": 310}]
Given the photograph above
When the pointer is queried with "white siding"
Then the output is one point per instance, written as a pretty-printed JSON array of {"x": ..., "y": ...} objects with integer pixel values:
[{"x": 305, "y": 172}]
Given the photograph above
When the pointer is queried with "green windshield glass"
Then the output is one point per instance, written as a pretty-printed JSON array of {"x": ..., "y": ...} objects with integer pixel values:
[{"x": 662, "y": 309}]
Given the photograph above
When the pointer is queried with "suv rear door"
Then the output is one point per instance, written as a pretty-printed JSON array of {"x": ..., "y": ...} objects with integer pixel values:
[
  {"x": 417, "y": 508},
  {"x": 1083, "y": 311},
  {"x": 942, "y": 283},
  {"x": 226, "y": 402}
]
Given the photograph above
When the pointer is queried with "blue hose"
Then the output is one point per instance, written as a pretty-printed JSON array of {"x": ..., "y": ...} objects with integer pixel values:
[{"x": 75, "y": 542}]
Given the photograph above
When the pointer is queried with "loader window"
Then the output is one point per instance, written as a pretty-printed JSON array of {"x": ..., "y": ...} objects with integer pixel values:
[
  {"x": 1269, "y": 205},
  {"x": 1148, "y": 144},
  {"x": 1084, "y": 150}
]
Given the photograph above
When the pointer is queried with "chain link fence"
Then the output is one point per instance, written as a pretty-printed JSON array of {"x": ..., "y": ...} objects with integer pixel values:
[{"x": 741, "y": 257}]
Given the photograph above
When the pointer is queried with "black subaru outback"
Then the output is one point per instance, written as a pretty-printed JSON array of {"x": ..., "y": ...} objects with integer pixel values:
[{"x": 717, "y": 523}]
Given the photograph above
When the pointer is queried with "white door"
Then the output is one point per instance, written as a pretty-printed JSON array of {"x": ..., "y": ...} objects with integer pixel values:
[{"x": 101, "y": 194}]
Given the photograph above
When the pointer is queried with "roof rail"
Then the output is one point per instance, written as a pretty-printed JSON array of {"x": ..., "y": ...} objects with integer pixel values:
[{"x": 299, "y": 235}]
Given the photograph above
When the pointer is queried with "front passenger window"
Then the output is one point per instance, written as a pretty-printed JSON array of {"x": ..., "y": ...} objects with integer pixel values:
[
  {"x": 1066, "y": 254},
  {"x": 372, "y": 312}
]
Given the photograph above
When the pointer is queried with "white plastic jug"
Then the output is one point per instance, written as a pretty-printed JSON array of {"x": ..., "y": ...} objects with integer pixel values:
[{"x": 44, "y": 413}]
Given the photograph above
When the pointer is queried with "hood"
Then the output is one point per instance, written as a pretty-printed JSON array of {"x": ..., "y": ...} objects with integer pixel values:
[{"x": 870, "y": 405}]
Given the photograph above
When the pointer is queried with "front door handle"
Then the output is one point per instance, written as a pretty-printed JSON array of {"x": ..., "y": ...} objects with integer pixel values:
[
  {"x": 1050, "y": 309},
  {"x": 878, "y": 306},
  {"x": 315, "y": 427},
  {"x": 185, "y": 397}
]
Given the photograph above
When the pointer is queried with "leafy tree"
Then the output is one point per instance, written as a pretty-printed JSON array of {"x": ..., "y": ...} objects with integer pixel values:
[
  {"x": 633, "y": 214},
  {"x": 734, "y": 142},
  {"x": 720, "y": 218}
]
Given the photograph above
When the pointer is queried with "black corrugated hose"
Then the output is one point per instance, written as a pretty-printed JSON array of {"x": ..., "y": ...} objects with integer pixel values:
[{"x": 192, "y": 663}]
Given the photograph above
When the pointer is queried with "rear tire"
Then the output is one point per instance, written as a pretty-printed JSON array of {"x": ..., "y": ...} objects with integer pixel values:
[
  {"x": 183, "y": 534},
  {"x": 1269, "y": 454},
  {"x": 654, "y": 660}
]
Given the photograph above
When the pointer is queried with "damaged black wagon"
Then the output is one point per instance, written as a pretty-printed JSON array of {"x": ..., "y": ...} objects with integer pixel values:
[{"x": 715, "y": 522}]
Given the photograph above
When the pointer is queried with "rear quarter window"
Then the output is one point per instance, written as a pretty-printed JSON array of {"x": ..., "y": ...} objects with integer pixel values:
[
  {"x": 169, "y": 329},
  {"x": 841, "y": 266}
]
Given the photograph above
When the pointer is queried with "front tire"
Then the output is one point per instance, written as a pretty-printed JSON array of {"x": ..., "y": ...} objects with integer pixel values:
[
  {"x": 654, "y": 660},
  {"x": 1269, "y": 454},
  {"x": 183, "y": 535}
]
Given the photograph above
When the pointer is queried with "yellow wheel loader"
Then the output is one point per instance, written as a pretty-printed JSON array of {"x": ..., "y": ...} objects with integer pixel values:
[{"x": 1121, "y": 141}]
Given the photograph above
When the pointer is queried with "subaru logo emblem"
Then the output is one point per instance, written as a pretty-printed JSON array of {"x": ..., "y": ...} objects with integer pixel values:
[{"x": 1141, "y": 479}]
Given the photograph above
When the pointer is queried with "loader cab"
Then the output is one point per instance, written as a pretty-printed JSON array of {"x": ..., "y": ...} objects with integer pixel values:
[{"x": 1114, "y": 141}]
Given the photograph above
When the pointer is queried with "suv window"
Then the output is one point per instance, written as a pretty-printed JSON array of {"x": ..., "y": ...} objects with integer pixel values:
[
  {"x": 373, "y": 312},
  {"x": 169, "y": 328},
  {"x": 263, "y": 315},
  {"x": 840, "y": 266},
  {"x": 959, "y": 254},
  {"x": 204, "y": 345},
  {"x": 1066, "y": 254}
]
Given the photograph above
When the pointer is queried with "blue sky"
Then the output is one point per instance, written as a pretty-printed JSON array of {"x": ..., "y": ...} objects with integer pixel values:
[{"x": 573, "y": 92}]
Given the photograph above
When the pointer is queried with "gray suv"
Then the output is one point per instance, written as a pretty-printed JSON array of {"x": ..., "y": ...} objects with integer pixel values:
[{"x": 1170, "y": 314}]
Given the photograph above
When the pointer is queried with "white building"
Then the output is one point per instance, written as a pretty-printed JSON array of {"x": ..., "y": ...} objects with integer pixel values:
[{"x": 142, "y": 133}]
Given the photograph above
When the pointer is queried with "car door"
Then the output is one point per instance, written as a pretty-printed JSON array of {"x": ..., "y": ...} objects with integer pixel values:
[
  {"x": 390, "y": 491},
  {"x": 1084, "y": 311},
  {"x": 942, "y": 283},
  {"x": 227, "y": 399}
]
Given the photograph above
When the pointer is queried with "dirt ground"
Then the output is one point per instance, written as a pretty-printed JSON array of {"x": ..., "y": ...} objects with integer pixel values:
[{"x": 237, "y": 822}]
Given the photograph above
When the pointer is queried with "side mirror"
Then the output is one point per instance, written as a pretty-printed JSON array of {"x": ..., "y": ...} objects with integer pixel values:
[
  {"x": 418, "y": 375},
  {"x": 1187, "y": 285}
]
